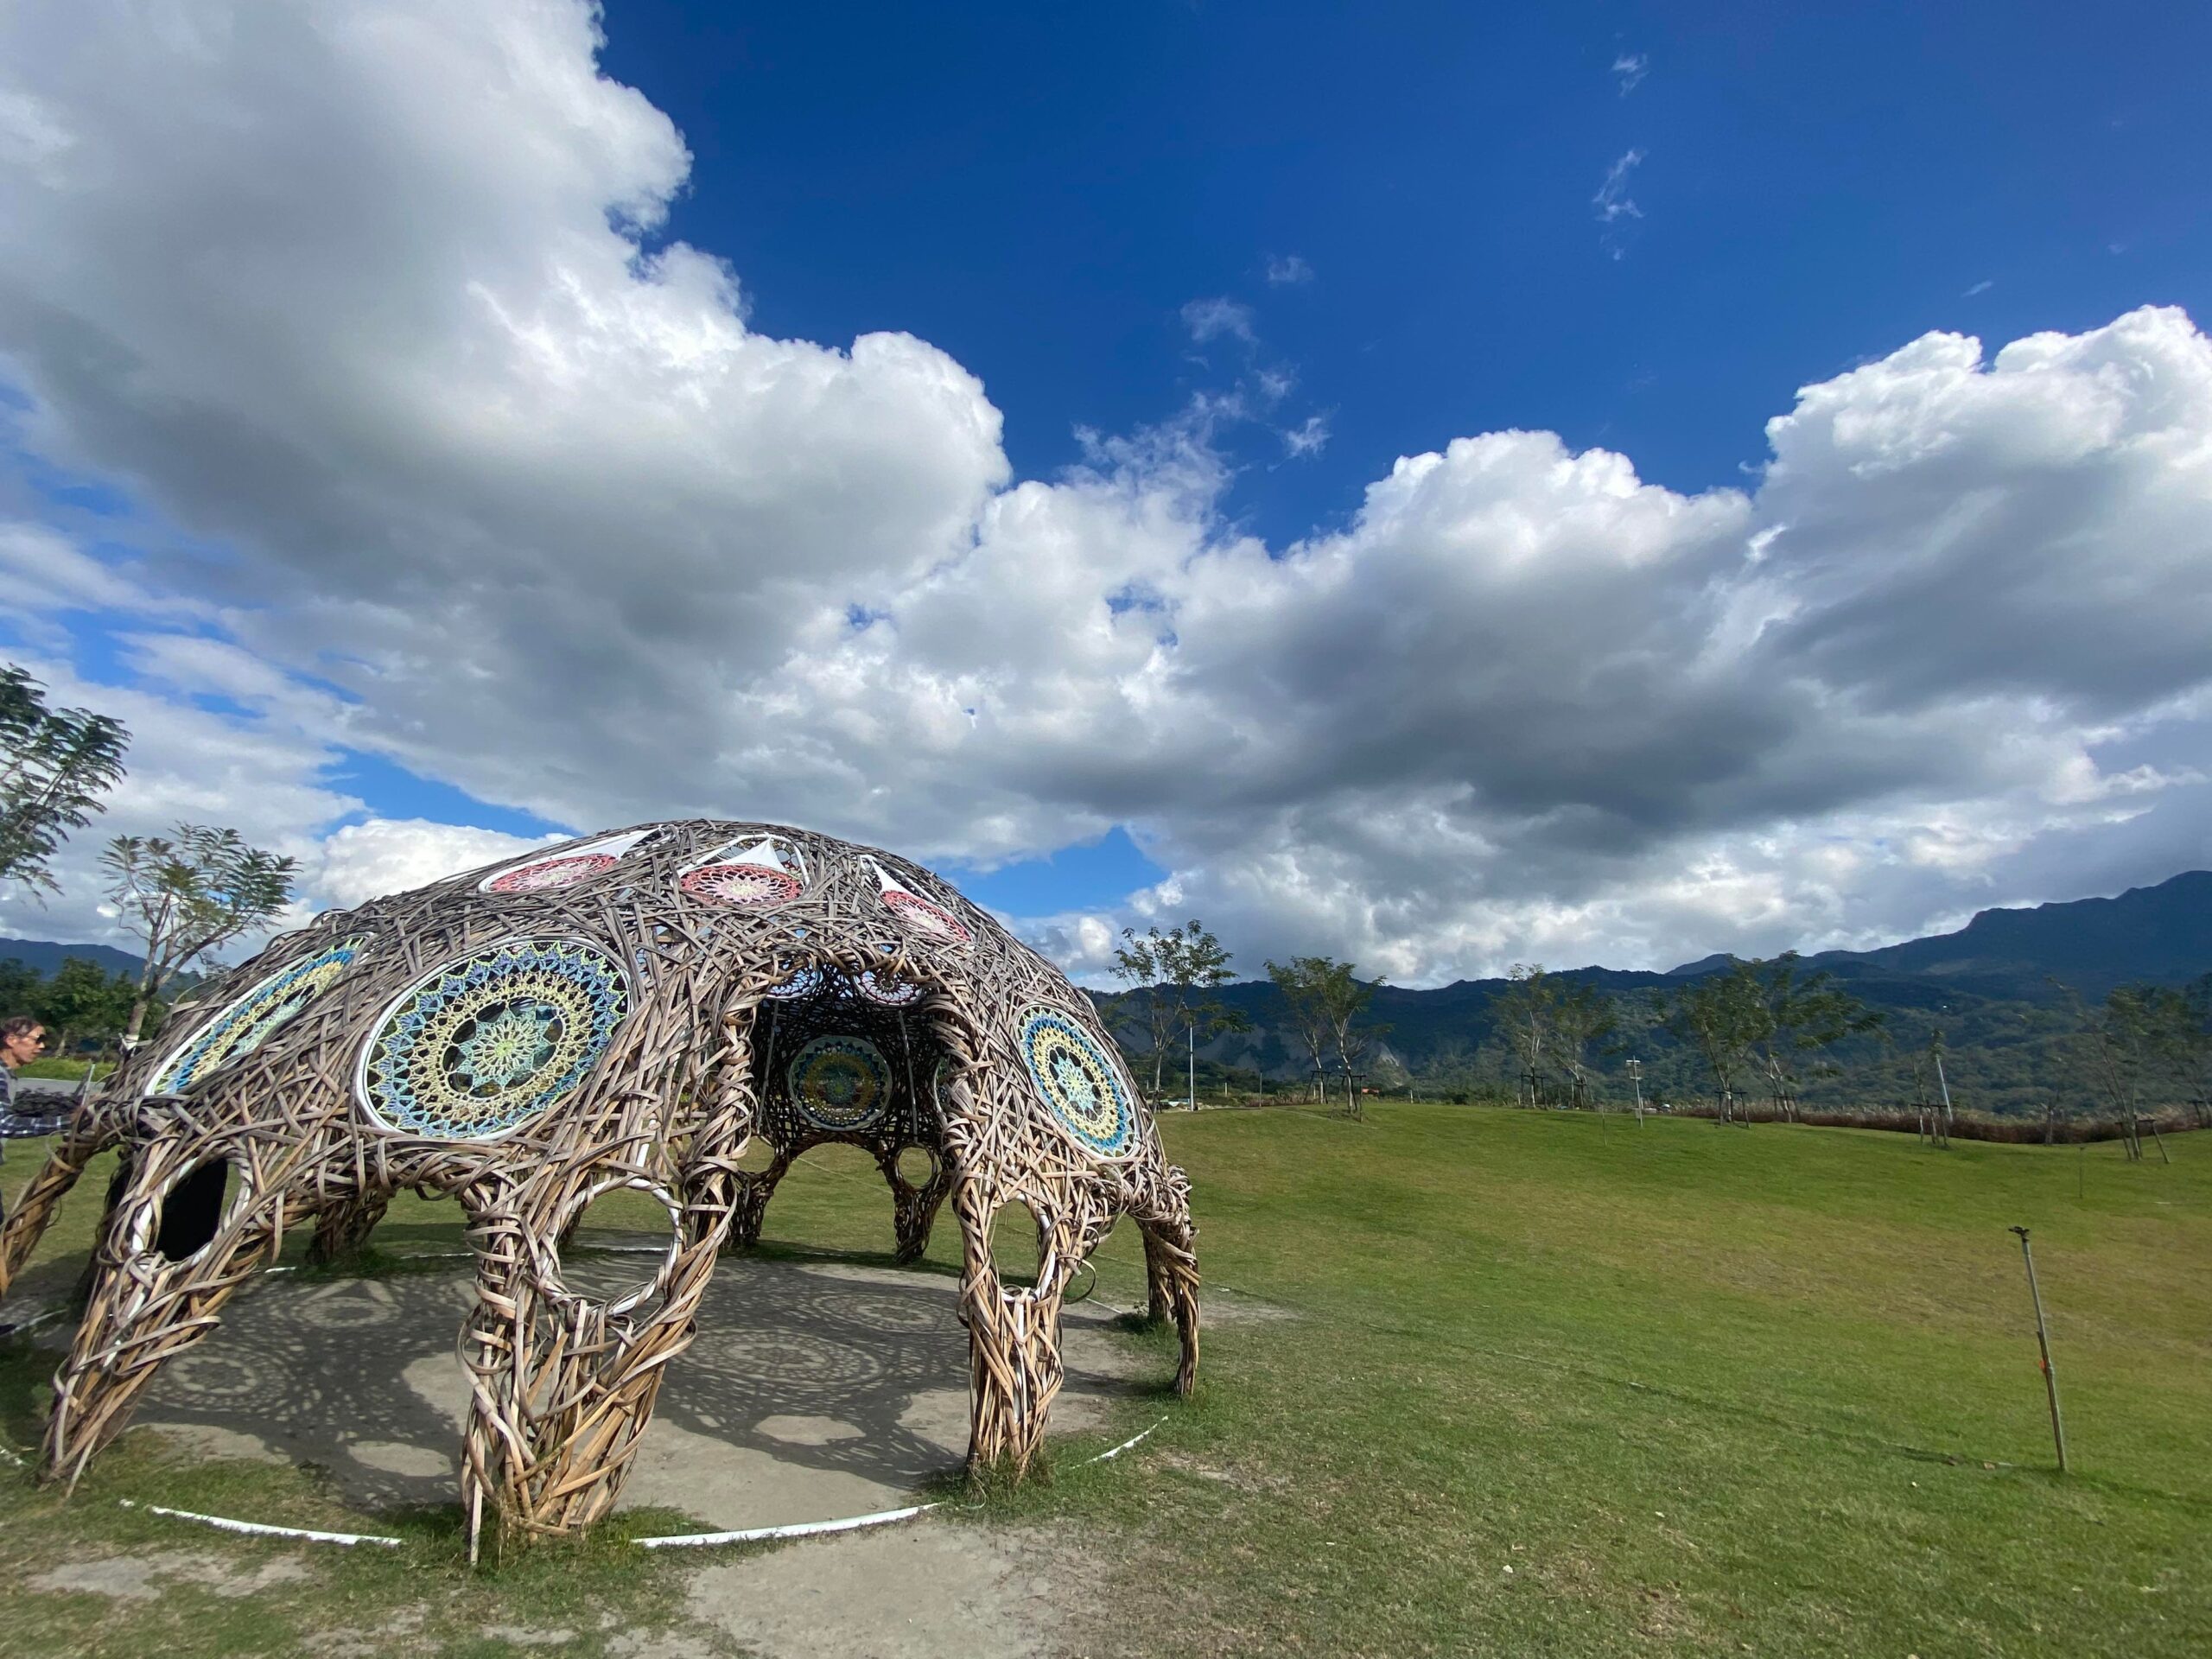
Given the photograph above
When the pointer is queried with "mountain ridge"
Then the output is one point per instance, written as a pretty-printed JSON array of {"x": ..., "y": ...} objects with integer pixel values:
[
  {"x": 1989, "y": 985},
  {"x": 42, "y": 957},
  {"x": 2162, "y": 934}
]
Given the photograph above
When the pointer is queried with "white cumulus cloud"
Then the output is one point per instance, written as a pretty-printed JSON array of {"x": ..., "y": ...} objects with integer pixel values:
[
  {"x": 370, "y": 300},
  {"x": 369, "y": 859}
]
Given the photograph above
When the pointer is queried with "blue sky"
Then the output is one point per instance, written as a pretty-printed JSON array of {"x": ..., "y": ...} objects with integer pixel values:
[
  {"x": 1104, "y": 482},
  {"x": 1040, "y": 190}
]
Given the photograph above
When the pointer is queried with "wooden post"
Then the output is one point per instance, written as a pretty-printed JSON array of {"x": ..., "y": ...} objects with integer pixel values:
[{"x": 2043, "y": 1342}]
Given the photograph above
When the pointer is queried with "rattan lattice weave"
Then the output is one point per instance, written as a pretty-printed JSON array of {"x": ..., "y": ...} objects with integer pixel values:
[{"x": 629, "y": 1011}]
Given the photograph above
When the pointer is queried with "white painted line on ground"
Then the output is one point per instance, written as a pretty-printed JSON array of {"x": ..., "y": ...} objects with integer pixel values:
[
  {"x": 671, "y": 1541},
  {"x": 800, "y": 1530},
  {"x": 850, "y": 1523},
  {"x": 260, "y": 1530},
  {"x": 1125, "y": 1445}
]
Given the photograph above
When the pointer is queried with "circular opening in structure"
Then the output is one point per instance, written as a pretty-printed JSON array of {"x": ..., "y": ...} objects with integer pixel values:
[
  {"x": 917, "y": 1167},
  {"x": 189, "y": 1213},
  {"x": 620, "y": 1247},
  {"x": 1016, "y": 1245},
  {"x": 759, "y": 1153}
]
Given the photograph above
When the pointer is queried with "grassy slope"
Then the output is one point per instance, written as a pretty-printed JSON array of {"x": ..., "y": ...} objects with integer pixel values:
[
  {"x": 1702, "y": 1389},
  {"x": 1699, "y": 1387}
]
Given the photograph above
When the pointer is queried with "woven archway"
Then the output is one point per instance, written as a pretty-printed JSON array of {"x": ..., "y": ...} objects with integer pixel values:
[{"x": 627, "y": 1011}]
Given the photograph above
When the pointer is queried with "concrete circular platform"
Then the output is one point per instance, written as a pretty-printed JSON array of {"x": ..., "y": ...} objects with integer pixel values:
[{"x": 815, "y": 1390}]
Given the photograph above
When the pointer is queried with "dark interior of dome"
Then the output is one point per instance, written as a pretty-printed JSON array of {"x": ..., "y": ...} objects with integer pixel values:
[{"x": 844, "y": 1055}]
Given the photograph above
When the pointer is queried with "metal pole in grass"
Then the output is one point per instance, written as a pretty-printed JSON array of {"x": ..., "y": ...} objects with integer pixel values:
[
  {"x": 2043, "y": 1342},
  {"x": 1636, "y": 1078}
]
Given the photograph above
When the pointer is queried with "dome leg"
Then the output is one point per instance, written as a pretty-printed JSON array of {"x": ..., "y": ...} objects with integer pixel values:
[
  {"x": 563, "y": 1386},
  {"x": 1013, "y": 1339},
  {"x": 749, "y": 1200},
  {"x": 341, "y": 1232},
  {"x": 1171, "y": 1269},
  {"x": 35, "y": 1206},
  {"x": 913, "y": 1209},
  {"x": 158, "y": 1285}
]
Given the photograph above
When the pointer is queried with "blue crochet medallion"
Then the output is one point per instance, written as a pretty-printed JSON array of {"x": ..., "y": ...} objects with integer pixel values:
[
  {"x": 251, "y": 1020},
  {"x": 484, "y": 1043},
  {"x": 1080, "y": 1085}
]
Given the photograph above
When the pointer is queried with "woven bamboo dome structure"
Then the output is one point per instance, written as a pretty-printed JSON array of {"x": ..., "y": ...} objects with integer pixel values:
[{"x": 629, "y": 1011}]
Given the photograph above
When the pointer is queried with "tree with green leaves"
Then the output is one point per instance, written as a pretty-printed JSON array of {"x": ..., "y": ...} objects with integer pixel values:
[
  {"x": 1302, "y": 980},
  {"x": 2180, "y": 1039},
  {"x": 1931, "y": 1088},
  {"x": 1136, "y": 964},
  {"x": 1803, "y": 1016},
  {"x": 83, "y": 1000},
  {"x": 55, "y": 765},
  {"x": 2115, "y": 1047},
  {"x": 1177, "y": 973},
  {"x": 1723, "y": 1016},
  {"x": 1343, "y": 1003},
  {"x": 187, "y": 894},
  {"x": 1326, "y": 1002},
  {"x": 1583, "y": 1018},
  {"x": 19, "y": 987},
  {"x": 1526, "y": 1011}
]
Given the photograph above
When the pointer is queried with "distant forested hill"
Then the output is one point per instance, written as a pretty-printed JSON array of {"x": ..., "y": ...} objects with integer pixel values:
[
  {"x": 42, "y": 957},
  {"x": 2161, "y": 935},
  {"x": 2006, "y": 1029}
]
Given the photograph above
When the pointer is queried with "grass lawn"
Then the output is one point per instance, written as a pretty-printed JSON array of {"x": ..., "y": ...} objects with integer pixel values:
[{"x": 1552, "y": 1384}]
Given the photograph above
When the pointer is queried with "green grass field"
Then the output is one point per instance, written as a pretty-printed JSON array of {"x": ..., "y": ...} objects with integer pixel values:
[{"x": 1552, "y": 1384}]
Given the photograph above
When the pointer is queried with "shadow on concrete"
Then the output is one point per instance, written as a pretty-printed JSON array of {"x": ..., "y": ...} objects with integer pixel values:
[{"x": 815, "y": 1389}]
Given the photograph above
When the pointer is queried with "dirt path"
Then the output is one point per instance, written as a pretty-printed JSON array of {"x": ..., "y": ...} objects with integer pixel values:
[{"x": 928, "y": 1590}]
